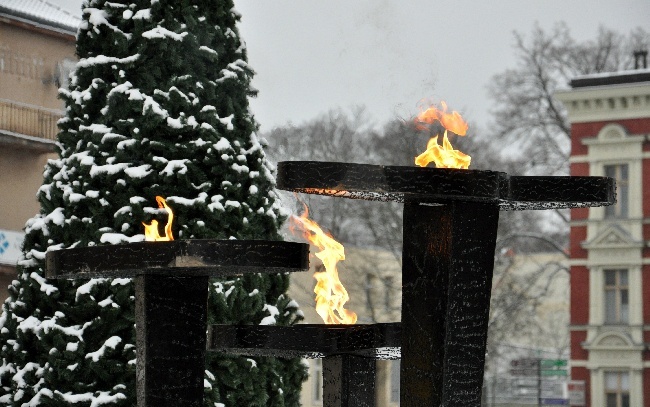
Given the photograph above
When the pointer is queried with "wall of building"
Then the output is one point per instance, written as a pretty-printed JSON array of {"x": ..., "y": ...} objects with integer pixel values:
[
  {"x": 33, "y": 64},
  {"x": 610, "y": 125},
  {"x": 6, "y": 277},
  {"x": 21, "y": 174}
]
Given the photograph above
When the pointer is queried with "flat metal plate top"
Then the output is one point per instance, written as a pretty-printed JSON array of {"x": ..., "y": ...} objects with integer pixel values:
[
  {"x": 194, "y": 257},
  {"x": 377, "y": 341},
  {"x": 440, "y": 185}
]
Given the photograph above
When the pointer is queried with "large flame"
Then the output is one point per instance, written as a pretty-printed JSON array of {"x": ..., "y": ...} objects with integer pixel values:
[
  {"x": 443, "y": 156},
  {"x": 151, "y": 233},
  {"x": 331, "y": 296}
]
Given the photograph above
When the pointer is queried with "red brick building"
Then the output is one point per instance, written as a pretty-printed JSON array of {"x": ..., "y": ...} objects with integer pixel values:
[{"x": 610, "y": 255}]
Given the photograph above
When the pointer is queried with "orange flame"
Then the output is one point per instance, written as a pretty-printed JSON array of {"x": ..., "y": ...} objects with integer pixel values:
[
  {"x": 444, "y": 156},
  {"x": 331, "y": 296},
  {"x": 453, "y": 121},
  {"x": 151, "y": 233}
]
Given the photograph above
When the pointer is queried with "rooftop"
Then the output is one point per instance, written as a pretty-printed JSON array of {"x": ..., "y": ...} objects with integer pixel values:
[
  {"x": 611, "y": 78},
  {"x": 41, "y": 13}
]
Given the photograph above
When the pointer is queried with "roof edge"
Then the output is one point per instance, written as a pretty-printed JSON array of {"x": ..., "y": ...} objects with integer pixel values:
[
  {"x": 624, "y": 77},
  {"x": 37, "y": 22}
]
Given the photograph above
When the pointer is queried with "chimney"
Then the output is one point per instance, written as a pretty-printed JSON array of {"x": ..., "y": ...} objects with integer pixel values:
[{"x": 641, "y": 59}]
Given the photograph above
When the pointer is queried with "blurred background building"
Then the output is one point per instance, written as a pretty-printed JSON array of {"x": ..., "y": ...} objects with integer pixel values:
[
  {"x": 610, "y": 260},
  {"x": 37, "y": 52}
]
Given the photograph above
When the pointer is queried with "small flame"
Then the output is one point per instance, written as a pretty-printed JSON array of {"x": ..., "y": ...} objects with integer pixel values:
[
  {"x": 444, "y": 156},
  {"x": 151, "y": 233},
  {"x": 331, "y": 296}
]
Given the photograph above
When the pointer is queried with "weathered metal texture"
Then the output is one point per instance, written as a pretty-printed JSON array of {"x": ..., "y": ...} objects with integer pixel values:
[
  {"x": 377, "y": 341},
  {"x": 196, "y": 257},
  {"x": 440, "y": 185},
  {"x": 171, "y": 282},
  {"x": 170, "y": 319},
  {"x": 447, "y": 265},
  {"x": 425, "y": 261},
  {"x": 349, "y": 381}
]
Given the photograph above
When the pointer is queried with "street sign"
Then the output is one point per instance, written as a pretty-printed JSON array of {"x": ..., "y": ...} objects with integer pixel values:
[
  {"x": 555, "y": 402},
  {"x": 576, "y": 390},
  {"x": 556, "y": 372},
  {"x": 524, "y": 363},
  {"x": 553, "y": 363},
  {"x": 523, "y": 372},
  {"x": 10, "y": 244}
]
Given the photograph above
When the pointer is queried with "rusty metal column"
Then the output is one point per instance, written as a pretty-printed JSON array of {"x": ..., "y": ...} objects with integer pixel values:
[
  {"x": 348, "y": 381},
  {"x": 447, "y": 264},
  {"x": 171, "y": 316}
]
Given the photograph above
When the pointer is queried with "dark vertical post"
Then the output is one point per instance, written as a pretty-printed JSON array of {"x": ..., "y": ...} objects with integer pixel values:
[
  {"x": 425, "y": 261},
  {"x": 348, "y": 381},
  {"x": 171, "y": 316},
  {"x": 447, "y": 264}
]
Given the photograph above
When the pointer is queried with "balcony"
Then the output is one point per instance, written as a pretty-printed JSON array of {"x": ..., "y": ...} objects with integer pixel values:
[{"x": 28, "y": 126}]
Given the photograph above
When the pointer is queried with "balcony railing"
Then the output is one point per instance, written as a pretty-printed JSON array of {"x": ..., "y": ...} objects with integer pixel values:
[{"x": 28, "y": 119}]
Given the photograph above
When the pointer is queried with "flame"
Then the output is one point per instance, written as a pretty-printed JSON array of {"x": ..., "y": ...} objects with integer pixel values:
[
  {"x": 330, "y": 293},
  {"x": 444, "y": 156},
  {"x": 151, "y": 233},
  {"x": 453, "y": 121}
]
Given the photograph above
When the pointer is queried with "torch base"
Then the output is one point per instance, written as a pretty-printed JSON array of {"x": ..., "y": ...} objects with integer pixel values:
[{"x": 171, "y": 315}]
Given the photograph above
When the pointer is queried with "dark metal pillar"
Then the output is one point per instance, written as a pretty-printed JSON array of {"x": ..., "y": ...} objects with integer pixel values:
[
  {"x": 171, "y": 315},
  {"x": 348, "y": 381},
  {"x": 447, "y": 263}
]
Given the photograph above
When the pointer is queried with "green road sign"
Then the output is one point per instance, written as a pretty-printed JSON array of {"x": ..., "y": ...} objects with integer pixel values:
[
  {"x": 553, "y": 362},
  {"x": 558, "y": 372}
]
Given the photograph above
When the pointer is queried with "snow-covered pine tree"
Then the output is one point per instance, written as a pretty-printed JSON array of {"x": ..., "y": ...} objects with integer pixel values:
[{"x": 157, "y": 106}]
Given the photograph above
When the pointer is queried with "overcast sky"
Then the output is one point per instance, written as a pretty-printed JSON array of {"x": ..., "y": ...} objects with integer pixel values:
[{"x": 388, "y": 55}]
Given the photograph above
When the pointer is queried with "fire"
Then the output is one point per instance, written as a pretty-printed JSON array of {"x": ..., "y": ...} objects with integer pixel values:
[
  {"x": 331, "y": 296},
  {"x": 444, "y": 156},
  {"x": 151, "y": 233}
]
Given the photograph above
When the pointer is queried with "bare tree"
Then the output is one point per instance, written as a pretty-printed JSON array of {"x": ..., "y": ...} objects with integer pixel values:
[
  {"x": 334, "y": 136},
  {"x": 347, "y": 136},
  {"x": 374, "y": 279},
  {"x": 527, "y": 116}
]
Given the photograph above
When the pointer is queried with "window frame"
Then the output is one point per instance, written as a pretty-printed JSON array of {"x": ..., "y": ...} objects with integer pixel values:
[
  {"x": 621, "y": 294},
  {"x": 621, "y": 389},
  {"x": 621, "y": 173}
]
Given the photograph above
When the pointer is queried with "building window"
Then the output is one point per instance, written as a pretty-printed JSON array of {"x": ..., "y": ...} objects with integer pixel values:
[
  {"x": 620, "y": 173},
  {"x": 394, "y": 381},
  {"x": 317, "y": 382},
  {"x": 4, "y": 53},
  {"x": 62, "y": 73},
  {"x": 617, "y": 389},
  {"x": 616, "y": 297}
]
